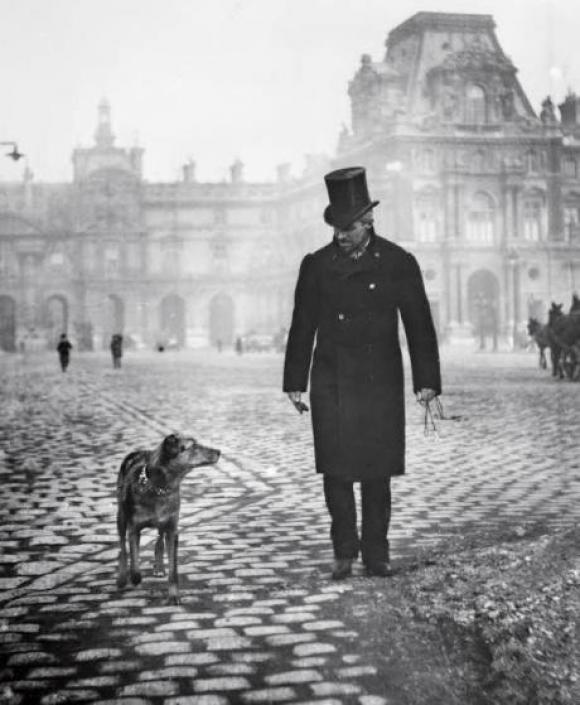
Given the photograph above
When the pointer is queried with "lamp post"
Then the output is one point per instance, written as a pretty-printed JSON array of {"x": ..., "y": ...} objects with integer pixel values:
[
  {"x": 513, "y": 262},
  {"x": 15, "y": 155}
]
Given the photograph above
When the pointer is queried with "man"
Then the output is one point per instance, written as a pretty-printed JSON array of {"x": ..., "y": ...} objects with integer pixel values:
[
  {"x": 348, "y": 297},
  {"x": 63, "y": 348},
  {"x": 116, "y": 349}
]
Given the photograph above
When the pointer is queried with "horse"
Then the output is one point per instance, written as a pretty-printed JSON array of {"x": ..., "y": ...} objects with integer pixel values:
[
  {"x": 554, "y": 314},
  {"x": 564, "y": 331},
  {"x": 541, "y": 336}
]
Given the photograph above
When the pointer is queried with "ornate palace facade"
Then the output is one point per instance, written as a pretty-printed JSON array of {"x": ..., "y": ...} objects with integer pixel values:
[{"x": 485, "y": 192}]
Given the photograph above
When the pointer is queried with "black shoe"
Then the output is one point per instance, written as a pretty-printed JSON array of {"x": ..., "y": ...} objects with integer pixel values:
[
  {"x": 342, "y": 568},
  {"x": 379, "y": 569}
]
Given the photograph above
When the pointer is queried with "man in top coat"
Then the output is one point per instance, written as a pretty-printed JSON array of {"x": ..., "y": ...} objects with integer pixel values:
[{"x": 347, "y": 301}]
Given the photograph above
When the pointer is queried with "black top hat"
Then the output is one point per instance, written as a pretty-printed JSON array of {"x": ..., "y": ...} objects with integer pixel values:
[{"x": 349, "y": 196}]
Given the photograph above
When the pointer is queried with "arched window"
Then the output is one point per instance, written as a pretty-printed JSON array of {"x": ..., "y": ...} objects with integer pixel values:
[
  {"x": 481, "y": 219},
  {"x": 426, "y": 214},
  {"x": 533, "y": 216},
  {"x": 475, "y": 105}
]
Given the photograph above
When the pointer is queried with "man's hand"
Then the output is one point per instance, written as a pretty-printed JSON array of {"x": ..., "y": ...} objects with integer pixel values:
[
  {"x": 295, "y": 398},
  {"x": 426, "y": 395}
]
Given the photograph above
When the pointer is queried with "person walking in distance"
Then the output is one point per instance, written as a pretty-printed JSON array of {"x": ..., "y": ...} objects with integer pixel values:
[
  {"x": 63, "y": 348},
  {"x": 116, "y": 349},
  {"x": 348, "y": 297}
]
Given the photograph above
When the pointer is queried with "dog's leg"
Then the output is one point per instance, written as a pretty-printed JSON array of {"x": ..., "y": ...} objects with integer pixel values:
[
  {"x": 134, "y": 537},
  {"x": 122, "y": 530},
  {"x": 171, "y": 540},
  {"x": 158, "y": 567}
]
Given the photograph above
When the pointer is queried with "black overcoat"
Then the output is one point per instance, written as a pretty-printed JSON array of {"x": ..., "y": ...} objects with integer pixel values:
[{"x": 348, "y": 310}]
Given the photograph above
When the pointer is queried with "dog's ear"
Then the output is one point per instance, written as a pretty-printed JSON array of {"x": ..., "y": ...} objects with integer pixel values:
[{"x": 171, "y": 446}]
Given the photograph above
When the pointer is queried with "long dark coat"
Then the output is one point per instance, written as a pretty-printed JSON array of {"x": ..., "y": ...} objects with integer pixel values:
[{"x": 351, "y": 308}]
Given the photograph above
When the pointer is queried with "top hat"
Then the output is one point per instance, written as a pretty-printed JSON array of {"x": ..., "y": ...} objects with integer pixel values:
[{"x": 348, "y": 195}]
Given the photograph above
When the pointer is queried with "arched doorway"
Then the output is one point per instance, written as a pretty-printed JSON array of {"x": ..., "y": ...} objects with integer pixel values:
[
  {"x": 483, "y": 305},
  {"x": 172, "y": 320},
  {"x": 7, "y": 324},
  {"x": 221, "y": 319},
  {"x": 114, "y": 318},
  {"x": 55, "y": 318}
]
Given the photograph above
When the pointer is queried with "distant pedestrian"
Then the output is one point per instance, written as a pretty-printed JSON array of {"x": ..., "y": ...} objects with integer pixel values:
[
  {"x": 117, "y": 349},
  {"x": 239, "y": 345},
  {"x": 63, "y": 348},
  {"x": 219, "y": 344}
]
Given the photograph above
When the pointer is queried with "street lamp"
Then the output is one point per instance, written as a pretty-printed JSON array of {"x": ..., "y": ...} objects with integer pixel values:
[
  {"x": 513, "y": 261},
  {"x": 15, "y": 155}
]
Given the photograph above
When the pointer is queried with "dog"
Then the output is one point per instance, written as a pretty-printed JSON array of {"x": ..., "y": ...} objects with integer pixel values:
[{"x": 148, "y": 496}]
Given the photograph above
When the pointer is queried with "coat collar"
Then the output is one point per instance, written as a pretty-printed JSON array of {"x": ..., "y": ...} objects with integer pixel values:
[{"x": 346, "y": 266}]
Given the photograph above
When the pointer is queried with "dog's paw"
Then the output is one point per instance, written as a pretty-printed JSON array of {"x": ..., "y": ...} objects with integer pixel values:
[{"x": 135, "y": 578}]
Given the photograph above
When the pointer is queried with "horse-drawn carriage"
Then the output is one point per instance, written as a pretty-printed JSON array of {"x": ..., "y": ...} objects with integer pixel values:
[{"x": 561, "y": 336}]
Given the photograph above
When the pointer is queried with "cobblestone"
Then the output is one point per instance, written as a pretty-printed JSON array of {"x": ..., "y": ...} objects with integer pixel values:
[{"x": 253, "y": 624}]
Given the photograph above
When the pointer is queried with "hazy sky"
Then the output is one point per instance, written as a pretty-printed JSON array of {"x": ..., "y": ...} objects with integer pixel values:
[{"x": 215, "y": 80}]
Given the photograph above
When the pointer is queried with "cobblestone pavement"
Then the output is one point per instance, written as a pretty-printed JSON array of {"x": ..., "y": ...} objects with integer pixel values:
[{"x": 254, "y": 624}]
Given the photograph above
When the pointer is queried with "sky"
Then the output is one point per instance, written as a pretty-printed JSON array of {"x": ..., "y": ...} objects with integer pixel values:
[{"x": 264, "y": 81}]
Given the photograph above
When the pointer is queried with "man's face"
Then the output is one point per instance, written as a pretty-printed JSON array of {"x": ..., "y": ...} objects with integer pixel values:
[{"x": 351, "y": 238}]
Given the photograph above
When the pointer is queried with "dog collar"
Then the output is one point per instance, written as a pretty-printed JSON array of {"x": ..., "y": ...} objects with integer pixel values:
[{"x": 148, "y": 486}]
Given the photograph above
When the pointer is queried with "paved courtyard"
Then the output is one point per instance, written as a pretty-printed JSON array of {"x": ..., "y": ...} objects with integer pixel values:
[{"x": 254, "y": 624}]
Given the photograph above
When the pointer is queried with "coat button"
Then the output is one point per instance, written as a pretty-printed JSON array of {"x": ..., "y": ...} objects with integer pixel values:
[
  {"x": 341, "y": 316},
  {"x": 377, "y": 254},
  {"x": 372, "y": 285}
]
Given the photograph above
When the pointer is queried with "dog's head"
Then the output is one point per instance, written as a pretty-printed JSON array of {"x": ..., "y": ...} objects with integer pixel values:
[{"x": 176, "y": 456}]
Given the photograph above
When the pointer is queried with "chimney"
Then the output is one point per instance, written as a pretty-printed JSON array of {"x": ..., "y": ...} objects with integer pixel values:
[
  {"x": 189, "y": 172},
  {"x": 570, "y": 110},
  {"x": 237, "y": 172},
  {"x": 283, "y": 173}
]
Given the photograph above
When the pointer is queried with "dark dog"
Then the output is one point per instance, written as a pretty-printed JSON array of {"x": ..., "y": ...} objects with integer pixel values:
[{"x": 148, "y": 496}]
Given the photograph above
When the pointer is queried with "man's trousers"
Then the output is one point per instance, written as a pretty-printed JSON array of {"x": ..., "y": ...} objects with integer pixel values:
[{"x": 376, "y": 515}]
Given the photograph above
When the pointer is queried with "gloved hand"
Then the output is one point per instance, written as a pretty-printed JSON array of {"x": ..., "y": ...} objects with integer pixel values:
[{"x": 299, "y": 405}]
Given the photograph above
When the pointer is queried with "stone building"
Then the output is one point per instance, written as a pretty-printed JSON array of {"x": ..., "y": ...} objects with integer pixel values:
[
  {"x": 485, "y": 192},
  {"x": 482, "y": 189},
  {"x": 185, "y": 264}
]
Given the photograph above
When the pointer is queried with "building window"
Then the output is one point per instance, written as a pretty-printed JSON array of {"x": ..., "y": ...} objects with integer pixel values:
[
  {"x": 481, "y": 219},
  {"x": 533, "y": 215},
  {"x": 572, "y": 222},
  {"x": 112, "y": 260},
  {"x": 570, "y": 167},
  {"x": 90, "y": 256},
  {"x": 56, "y": 259},
  {"x": 475, "y": 105},
  {"x": 133, "y": 255},
  {"x": 171, "y": 255},
  {"x": 533, "y": 161},
  {"x": 426, "y": 217},
  {"x": 426, "y": 161}
]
